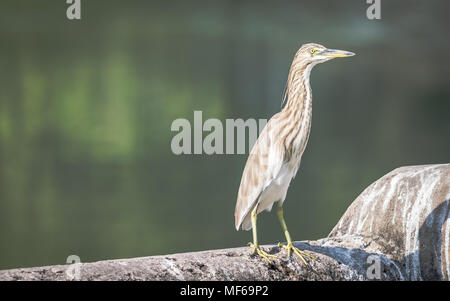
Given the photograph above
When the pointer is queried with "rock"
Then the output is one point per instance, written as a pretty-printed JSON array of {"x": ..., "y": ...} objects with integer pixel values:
[
  {"x": 397, "y": 229},
  {"x": 406, "y": 214}
]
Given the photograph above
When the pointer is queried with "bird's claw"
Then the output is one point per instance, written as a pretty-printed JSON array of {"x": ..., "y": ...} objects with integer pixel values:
[
  {"x": 290, "y": 247},
  {"x": 258, "y": 251}
]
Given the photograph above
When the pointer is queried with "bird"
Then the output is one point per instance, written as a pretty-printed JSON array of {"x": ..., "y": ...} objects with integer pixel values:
[{"x": 275, "y": 157}]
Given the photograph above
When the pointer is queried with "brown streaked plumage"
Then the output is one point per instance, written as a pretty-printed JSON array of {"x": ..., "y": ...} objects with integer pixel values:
[{"x": 276, "y": 155}]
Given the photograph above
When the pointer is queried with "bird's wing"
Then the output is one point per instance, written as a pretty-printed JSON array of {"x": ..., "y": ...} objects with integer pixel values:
[
  {"x": 263, "y": 165},
  {"x": 285, "y": 95}
]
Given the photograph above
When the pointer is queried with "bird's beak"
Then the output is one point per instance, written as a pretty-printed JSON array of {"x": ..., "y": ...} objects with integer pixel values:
[{"x": 332, "y": 53}]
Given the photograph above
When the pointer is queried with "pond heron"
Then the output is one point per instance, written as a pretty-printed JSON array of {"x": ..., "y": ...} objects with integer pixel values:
[{"x": 275, "y": 157}]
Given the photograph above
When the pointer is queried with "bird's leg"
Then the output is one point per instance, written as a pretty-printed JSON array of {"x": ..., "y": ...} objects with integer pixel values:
[
  {"x": 290, "y": 246},
  {"x": 255, "y": 246}
]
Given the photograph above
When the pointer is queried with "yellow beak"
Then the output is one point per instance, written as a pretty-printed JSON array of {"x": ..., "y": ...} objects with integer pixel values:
[{"x": 335, "y": 53}]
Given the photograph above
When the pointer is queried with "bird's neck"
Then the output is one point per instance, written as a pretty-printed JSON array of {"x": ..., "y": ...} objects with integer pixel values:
[
  {"x": 298, "y": 94},
  {"x": 298, "y": 112}
]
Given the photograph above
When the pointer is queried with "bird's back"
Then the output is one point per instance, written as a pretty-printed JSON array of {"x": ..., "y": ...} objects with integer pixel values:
[
  {"x": 273, "y": 162},
  {"x": 263, "y": 165}
]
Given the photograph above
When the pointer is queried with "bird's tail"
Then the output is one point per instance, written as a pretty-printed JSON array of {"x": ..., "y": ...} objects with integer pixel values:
[{"x": 246, "y": 223}]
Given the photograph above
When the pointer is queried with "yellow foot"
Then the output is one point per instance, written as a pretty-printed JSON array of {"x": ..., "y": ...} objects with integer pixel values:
[
  {"x": 290, "y": 247},
  {"x": 261, "y": 252}
]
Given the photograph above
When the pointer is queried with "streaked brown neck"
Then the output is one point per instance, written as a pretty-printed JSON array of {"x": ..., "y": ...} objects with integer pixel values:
[
  {"x": 298, "y": 111},
  {"x": 298, "y": 89}
]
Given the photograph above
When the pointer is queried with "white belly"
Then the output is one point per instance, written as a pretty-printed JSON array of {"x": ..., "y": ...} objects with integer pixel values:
[{"x": 277, "y": 189}]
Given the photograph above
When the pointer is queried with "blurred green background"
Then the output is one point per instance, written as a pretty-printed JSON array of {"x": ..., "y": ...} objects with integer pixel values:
[{"x": 86, "y": 108}]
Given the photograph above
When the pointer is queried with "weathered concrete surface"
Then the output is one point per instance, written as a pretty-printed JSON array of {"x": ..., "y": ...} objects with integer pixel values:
[
  {"x": 335, "y": 262},
  {"x": 227, "y": 264},
  {"x": 397, "y": 229},
  {"x": 406, "y": 213}
]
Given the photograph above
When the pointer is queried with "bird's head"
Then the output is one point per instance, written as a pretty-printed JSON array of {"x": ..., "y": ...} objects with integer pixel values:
[
  {"x": 315, "y": 53},
  {"x": 305, "y": 59}
]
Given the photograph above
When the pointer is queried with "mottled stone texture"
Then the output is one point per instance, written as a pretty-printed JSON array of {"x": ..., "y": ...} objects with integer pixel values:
[
  {"x": 406, "y": 213},
  {"x": 397, "y": 229}
]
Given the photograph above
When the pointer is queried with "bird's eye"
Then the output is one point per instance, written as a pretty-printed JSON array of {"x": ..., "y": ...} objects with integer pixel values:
[{"x": 313, "y": 51}]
